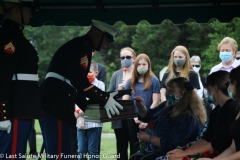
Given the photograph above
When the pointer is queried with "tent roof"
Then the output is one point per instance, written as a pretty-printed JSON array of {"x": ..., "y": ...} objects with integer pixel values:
[{"x": 81, "y": 12}]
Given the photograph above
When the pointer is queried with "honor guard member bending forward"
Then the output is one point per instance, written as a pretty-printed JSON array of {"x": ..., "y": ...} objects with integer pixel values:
[
  {"x": 66, "y": 83},
  {"x": 19, "y": 88}
]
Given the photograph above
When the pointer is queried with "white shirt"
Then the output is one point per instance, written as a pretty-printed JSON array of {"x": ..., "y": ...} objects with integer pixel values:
[
  {"x": 220, "y": 66},
  {"x": 200, "y": 91}
]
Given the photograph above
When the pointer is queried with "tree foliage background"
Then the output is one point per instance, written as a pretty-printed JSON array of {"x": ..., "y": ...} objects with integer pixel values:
[{"x": 157, "y": 41}]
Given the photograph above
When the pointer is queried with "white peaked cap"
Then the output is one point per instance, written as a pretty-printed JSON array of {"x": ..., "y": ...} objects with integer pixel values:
[
  {"x": 17, "y": 1},
  {"x": 105, "y": 27}
]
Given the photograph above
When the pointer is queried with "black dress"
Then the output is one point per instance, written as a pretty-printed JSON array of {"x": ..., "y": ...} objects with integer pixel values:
[{"x": 234, "y": 130}]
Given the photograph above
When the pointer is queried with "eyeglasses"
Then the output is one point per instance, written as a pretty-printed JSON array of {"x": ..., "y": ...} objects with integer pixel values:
[
  {"x": 123, "y": 57},
  {"x": 196, "y": 66},
  {"x": 237, "y": 58}
]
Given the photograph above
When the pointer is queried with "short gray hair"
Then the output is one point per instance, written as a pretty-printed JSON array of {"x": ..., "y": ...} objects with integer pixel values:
[
  {"x": 196, "y": 59},
  {"x": 94, "y": 66}
]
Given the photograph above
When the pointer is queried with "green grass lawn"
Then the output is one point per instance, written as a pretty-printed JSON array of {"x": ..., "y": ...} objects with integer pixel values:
[
  {"x": 107, "y": 148},
  {"x": 108, "y": 145}
]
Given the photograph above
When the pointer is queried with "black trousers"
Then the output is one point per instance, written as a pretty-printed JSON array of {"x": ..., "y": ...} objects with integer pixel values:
[
  {"x": 132, "y": 131},
  {"x": 122, "y": 139},
  {"x": 32, "y": 140}
]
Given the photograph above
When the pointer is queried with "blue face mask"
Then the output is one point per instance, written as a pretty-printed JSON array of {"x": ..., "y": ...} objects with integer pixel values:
[
  {"x": 230, "y": 94},
  {"x": 126, "y": 63},
  {"x": 225, "y": 56},
  {"x": 211, "y": 99}
]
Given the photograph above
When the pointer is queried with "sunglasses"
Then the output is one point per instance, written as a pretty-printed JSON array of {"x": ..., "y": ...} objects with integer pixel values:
[
  {"x": 196, "y": 66},
  {"x": 127, "y": 57},
  {"x": 237, "y": 58}
]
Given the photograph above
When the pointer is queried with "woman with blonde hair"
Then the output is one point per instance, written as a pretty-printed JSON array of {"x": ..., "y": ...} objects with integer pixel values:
[
  {"x": 118, "y": 82},
  {"x": 179, "y": 66},
  {"x": 170, "y": 125}
]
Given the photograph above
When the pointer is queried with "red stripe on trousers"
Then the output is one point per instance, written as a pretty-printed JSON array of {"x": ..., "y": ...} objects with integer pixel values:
[
  {"x": 14, "y": 138},
  {"x": 59, "y": 139}
]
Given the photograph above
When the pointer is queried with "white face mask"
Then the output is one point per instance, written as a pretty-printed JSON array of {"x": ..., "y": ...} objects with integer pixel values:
[{"x": 196, "y": 69}]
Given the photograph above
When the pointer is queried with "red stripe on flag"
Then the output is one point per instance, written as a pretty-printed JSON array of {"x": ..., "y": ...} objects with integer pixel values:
[
  {"x": 59, "y": 139},
  {"x": 14, "y": 138}
]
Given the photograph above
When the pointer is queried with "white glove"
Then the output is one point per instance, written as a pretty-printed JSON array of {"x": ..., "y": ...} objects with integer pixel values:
[
  {"x": 5, "y": 125},
  {"x": 111, "y": 105}
]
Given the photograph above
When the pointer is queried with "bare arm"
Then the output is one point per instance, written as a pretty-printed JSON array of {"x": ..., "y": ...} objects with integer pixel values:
[
  {"x": 191, "y": 151},
  {"x": 234, "y": 156},
  {"x": 142, "y": 110},
  {"x": 78, "y": 113},
  {"x": 198, "y": 144},
  {"x": 155, "y": 100},
  {"x": 200, "y": 149},
  {"x": 163, "y": 94},
  {"x": 230, "y": 153}
]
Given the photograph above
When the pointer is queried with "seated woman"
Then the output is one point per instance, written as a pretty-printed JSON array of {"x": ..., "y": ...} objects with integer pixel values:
[
  {"x": 170, "y": 126},
  {"x": 216, "y": 137},
  {"x": 233, "y": 152}
]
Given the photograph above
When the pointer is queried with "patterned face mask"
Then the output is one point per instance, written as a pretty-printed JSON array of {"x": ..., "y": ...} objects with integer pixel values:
[{"x": 171, "y": 99}]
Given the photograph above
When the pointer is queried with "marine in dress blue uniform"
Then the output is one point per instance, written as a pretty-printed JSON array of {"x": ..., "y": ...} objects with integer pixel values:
[
  {"x": 66, "y": 83},
  {"x": 19, "y": 88}
]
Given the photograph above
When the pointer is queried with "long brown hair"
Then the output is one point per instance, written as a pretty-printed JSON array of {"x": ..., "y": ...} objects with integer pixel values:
[
  {"x": 189, "y": 102},
  {"x": 148, "y": 75},
  {"x": 187, "y": 67}
]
